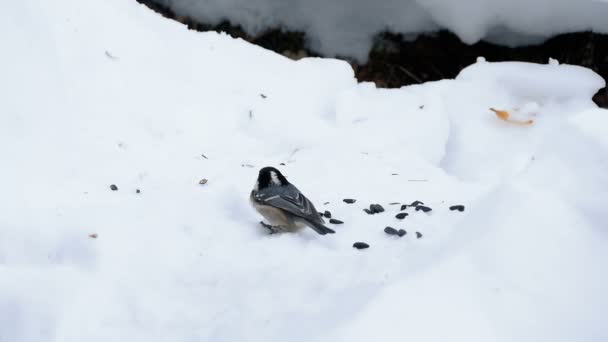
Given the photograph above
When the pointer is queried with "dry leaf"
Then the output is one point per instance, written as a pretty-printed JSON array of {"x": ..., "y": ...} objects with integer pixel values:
[
  {"x": 501, "y": 114},
  {"x": 504, "y": 115}
]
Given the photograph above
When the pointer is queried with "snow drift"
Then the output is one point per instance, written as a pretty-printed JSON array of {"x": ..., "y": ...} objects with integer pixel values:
[{"x": 346, "y": 27}]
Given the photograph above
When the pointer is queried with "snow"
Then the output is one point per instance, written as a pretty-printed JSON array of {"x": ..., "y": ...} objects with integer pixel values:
[
  {"x": 346, "y": 27},
  {"x": 108, "y": 92}
]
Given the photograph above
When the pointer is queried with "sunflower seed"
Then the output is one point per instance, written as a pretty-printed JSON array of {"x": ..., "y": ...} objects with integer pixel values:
[{"x": 360, "y": 245}]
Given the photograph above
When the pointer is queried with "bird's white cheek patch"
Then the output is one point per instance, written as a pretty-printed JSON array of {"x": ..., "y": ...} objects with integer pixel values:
[{"x": 274, "y": 178}]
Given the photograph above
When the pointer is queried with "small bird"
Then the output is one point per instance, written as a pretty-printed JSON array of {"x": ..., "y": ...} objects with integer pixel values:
[{"x": 283, "y": 205}]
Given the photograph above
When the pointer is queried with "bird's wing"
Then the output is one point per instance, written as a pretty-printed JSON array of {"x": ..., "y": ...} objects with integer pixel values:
[{"x": 293, "y": 202}]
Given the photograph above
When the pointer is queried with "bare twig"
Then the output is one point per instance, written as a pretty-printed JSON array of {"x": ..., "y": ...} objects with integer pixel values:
[
  {"x": 110, "y": 56},
  {"x": 294, "y": 152},
  {"x": 411, "y": 75},
  {"x": 436, "y": 70}
]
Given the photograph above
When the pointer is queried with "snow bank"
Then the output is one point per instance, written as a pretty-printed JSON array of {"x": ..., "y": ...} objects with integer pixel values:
[
  {"x": 346, "y": 27},
  {"x": 544, "y": 94},
  {"x": 541, "y": 83},
  {"x": 147, "y": 105}
]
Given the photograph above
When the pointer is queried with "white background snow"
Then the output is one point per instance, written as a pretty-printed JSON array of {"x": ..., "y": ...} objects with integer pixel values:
[
  {"x": 108, "y": 92},
  {"x": 346, "y": 27}
]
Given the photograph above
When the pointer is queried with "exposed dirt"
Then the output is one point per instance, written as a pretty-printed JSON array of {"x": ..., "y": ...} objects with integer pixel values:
[{"x": 394, "y": 62}]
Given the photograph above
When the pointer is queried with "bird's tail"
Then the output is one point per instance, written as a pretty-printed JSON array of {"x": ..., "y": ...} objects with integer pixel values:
[{"x": 320, "y": 228}]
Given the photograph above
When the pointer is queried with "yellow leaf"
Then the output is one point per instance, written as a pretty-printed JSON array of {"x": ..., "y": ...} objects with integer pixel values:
[
  {"x": 501, "y": 114},
  {"x": 504, "y": 115}
]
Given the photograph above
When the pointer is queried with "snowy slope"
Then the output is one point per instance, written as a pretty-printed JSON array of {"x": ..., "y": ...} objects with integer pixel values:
[
  {"x": 107, "y": 92},
  {"x": 347, "y": 27}
]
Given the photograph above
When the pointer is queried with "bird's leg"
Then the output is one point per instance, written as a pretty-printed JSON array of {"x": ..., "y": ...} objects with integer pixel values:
[{"x": 272, "y": 229}]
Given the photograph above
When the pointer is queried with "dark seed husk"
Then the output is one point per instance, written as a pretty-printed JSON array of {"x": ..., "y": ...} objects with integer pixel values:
[
  {"x": 137, "y": 191},
  {"x": 457, "y": 207},
  {"x": 113, "y": 187},
  {"x": 418, "y": 235},
  {"x": 327, "y": 214},
  {"x": 423, "y": 208},
  {"x": 334, "y": 221},
  {"x": 391, "y": 231},
  {"x": 401, "y": 216},
  {"x": 401, "y": 232},
  {"x": 369, "y": 212},
  {"x": 416, "y": 203},
  {"x": 376, "y": 208},
  {"x": 360, "y": 245},
  {"x": 349, "y": 200},
  {"x": 403, "y": 207}
]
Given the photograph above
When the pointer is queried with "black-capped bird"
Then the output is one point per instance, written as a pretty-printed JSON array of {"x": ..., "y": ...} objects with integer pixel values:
[{"x": 283, "y": 205}]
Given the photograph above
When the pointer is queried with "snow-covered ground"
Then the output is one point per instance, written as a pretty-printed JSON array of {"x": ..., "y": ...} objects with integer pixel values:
[
  {"x": 346, "y": 27},
  {"x": 107, "y": 92}
]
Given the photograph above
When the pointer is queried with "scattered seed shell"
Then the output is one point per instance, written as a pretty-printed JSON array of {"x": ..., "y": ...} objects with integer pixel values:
[
  {"x": 334, "y": 221},
  {"x": 137, "y": 191},
  {"x": 416, "y": 203},
  {"x": 401, "y": 216},
  {"x": 423, "y": 208},
  {"x": 360, "y": 245},
  {"x": 203, "y": 181},
  {"x": 376, "y": 208},
  {"x": 349, "y": 200},
  {"x": 369, "y": 212},
  {"x": 457, "y": 207},
  {"x": 113, "y": 187},
  {"x": 327, "y": 214},
  {"x": 93, "y": 236},
  {"x": 401, "y": 232},
  {"x": 418, "y": 235},
  {"x": 403, "y": 207},
  {"x": 391, "y": 231}
]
